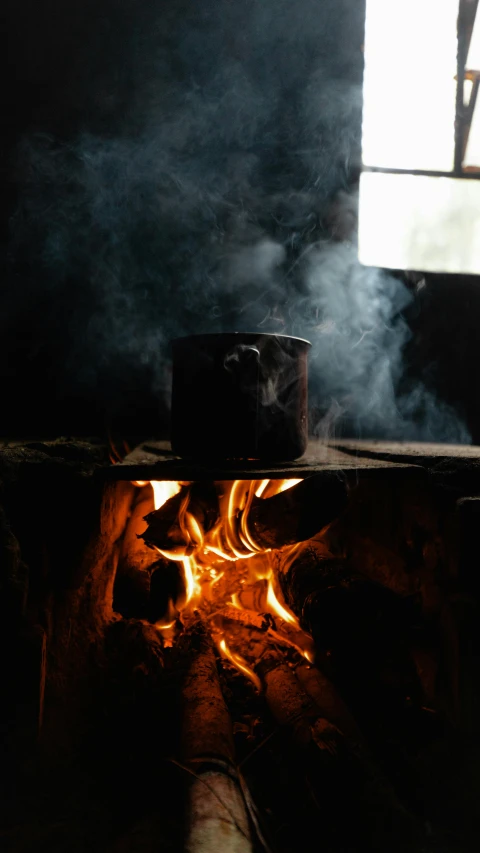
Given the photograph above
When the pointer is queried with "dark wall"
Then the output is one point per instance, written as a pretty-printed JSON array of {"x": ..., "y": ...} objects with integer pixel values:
[{"x": 445, "y": 343}]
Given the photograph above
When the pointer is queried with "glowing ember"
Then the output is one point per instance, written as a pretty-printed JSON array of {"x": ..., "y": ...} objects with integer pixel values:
[{"x": 215, "y": 583}]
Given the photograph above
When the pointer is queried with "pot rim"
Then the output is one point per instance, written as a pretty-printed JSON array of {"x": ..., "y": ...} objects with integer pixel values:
[{"x": 213, "y": 335}]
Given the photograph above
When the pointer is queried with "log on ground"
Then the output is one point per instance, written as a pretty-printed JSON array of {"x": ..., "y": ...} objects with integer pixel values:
[
  {"x": 344, "y": 782},
  {"x": 217, "y": 818}
]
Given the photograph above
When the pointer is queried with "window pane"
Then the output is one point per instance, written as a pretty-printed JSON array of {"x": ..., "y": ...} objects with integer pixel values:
[
  {"x": 409, "y": 84},
  {"x": 472, "y": 153},
  {"x": 473, "y": 59},
  {"x": 419, "y": 223}
]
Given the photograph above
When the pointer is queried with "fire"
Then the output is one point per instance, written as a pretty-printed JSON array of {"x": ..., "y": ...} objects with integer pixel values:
[
  {"x": 163, "y": 490},
  {"x": 213, "y": 559},
  {"x": 191, "y": 586},
  {"x": 240, "y": 663},
  {"x": 278, "y": 608},
  {"x": 287, "y": 484}
]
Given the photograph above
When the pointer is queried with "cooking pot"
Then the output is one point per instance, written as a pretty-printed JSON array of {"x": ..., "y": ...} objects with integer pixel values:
[{"x": 240, "y": 396}]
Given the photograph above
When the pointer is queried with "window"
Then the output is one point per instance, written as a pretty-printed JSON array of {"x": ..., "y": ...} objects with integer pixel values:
[{"x": 420, "y": 186}]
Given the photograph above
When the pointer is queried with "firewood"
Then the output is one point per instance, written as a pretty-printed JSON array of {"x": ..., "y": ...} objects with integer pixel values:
[
  {"x": 361, "y": 634},
  {"x": 134, "y": 554},
  {"x": 261, "y": 621},
  {"x": 332, "y": 707},
  {"x": 289, "y": 517},
  {"x": 216, "y": 805},
  {"x": 206, "y": 726},
  {"x": 322, "y": 756},
  {"x": 290, "y": 704},
  {"x": 338, "y": 766},
  {"x": 329, "y": 703},
  {"x": 276, "y": 629},
  {"x": 361, "y": 628},
  {"x": 298, "y": 513},
  {"x": 131, "y": 590},
  {"x": 134, "y": 645},
  {"x": 338, "y": 607},
  {"x": 163, "y": 529}
]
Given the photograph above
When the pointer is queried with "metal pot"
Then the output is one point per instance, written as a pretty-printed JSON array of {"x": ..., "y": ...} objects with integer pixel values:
[{"x": 240, "y": 396}]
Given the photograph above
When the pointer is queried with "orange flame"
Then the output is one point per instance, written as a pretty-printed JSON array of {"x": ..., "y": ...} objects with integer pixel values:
[
  {"x": 261, "y": 488},
  {"x": 205, "y": 556},
  {"x": 287, "y": 484},
  {"x": 163, "y": 490},
  {"x": 278, "y": 608},
  {"x": 240, "y": 663}
]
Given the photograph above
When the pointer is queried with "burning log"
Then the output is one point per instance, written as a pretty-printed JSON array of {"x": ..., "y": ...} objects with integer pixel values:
[
  {"x": 166, "y": 529},
  {"x": 132, "y": 579},
  {"x": 216, "y": 805},
  {"x": 361, "y": 628},
  {"x": 134, "y": 555},
  {"x": 291, "y": 516},
  {"x": 276, "y": 629},
  {"x": 339, "y": 607},
  {"x": 298, "y": 513}
]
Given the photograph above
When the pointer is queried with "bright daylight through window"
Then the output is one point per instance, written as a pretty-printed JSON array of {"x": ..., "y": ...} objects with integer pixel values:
[{"x": 420, "y": 187}]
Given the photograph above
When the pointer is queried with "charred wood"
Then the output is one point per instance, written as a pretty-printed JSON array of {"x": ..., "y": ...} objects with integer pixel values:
[
  {"x": 290, "y": 704},
  {"x": 134, "y": 646},
  {"x": 298, "y": 513},
  {"x": 332, "y": 708},
  {"x": 289, "y": 517},
  {"x": 341, "y": 774},
  {"x": 163, "y": 527},
  {"x": 134, "y": 555},
  {"x": 329, "y": 703},
  {"x": 207, "y": 726},
  {"x": 274, "y": 628},
  {"x": 362, "y": 635},
  {"x": 131, "y": 590},
  {"x": 338, "y": 606}
]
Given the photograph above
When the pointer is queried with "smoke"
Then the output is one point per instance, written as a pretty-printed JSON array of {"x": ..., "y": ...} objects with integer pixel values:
[
  {"x": 222, "y": 197},
  {"x": 358, "y": 355}
]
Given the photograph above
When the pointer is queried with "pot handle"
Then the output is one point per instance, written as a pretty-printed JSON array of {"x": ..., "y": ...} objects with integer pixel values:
[
  {"x": 242, "y": 363},
  {"x": 241, "y": 356}
]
